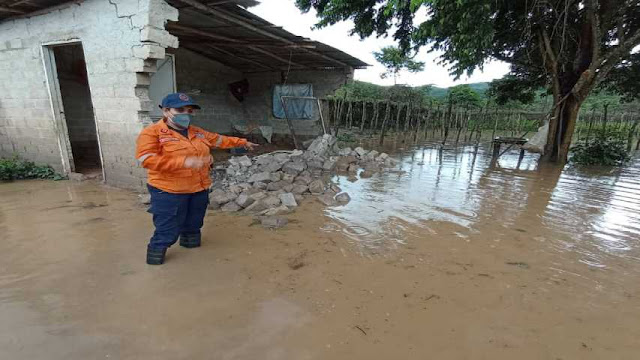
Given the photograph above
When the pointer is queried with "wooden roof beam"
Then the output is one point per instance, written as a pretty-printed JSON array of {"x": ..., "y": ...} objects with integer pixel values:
[
  {"x": 173, "y": 26},
  {"x": 230, "y": 54},
  {"x": 229, "y": 17},
  {"x": 265, "y": 52},
  {"x": 269, "y": 45},
  {"x": 10, "y": 10},
  {"x": 209, "y": 56}
]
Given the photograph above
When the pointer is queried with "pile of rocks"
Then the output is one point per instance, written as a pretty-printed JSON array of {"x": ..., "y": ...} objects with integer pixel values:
[{"x": 276, "y": 183}]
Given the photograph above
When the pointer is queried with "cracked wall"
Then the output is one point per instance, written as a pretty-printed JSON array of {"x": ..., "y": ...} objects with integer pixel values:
[{"x": 122, "y": 40}]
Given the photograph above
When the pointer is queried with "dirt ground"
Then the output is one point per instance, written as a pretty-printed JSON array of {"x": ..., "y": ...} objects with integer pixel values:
[{"x": 74, "y": 285}]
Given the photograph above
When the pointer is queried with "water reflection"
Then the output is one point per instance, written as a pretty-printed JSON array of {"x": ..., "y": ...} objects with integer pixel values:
[{"x": 593, "y": 213}]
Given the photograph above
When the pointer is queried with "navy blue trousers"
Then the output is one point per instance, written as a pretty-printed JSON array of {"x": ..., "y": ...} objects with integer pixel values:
[{"x": 176, "y": 214}]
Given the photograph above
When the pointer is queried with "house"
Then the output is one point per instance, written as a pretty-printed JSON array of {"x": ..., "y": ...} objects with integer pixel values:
[{"x": 80, "y": 79}]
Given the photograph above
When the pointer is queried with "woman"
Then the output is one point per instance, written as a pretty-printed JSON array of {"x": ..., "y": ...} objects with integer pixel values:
[{"x": 177, "y": 157}]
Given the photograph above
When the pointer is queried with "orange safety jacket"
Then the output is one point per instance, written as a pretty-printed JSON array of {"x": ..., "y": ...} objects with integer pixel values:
[{"x": 162, "y": 151}]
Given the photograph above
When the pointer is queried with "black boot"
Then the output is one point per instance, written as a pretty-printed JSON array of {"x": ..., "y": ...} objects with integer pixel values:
[
  {"x": 155, "y": 256},
  {"x": 190, "y": 241}
]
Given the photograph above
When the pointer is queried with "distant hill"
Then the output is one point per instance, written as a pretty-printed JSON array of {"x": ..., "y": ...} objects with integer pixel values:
[
  {"x": 438, "y": 92},
  {"x": 358, "y": 90}
]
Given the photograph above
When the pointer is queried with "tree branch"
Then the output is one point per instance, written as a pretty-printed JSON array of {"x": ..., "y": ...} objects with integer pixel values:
[
  {"x": 513, "y": 61},
  {"x": 617, "y": 54},
  {"x": 583, "y": 86}
]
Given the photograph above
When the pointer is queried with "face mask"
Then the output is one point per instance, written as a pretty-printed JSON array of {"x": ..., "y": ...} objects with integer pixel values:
[{"x": 182, "y": 120}]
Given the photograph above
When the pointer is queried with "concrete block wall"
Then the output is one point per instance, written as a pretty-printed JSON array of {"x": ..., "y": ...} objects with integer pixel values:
[
  {"x": 259, "y": 103},
  {"x": 121, "y": 41},
  {"x": 207, "y": 81}
]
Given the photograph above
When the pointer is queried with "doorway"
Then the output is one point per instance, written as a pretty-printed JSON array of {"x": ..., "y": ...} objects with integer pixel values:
[{"x": 73, "y": 109}]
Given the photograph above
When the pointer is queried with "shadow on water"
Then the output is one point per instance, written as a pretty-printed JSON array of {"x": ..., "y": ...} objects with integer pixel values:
[{"x": 593, "y": 212}]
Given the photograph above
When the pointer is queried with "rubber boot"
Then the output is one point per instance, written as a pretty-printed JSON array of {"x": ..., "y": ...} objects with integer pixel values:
[
  {"x": 190, "y": 241},
  {"x": 155, "y": 256}
]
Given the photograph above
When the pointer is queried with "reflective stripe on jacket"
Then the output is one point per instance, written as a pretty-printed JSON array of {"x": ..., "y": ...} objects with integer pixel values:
[{"x": 162, "y": 151}]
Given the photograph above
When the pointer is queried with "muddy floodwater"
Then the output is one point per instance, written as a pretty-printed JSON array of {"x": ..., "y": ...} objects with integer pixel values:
[{"x": 445, "y": 256}]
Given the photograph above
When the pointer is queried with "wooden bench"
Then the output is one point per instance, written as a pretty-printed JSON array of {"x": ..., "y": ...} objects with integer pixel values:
[{"x": 497, "y": 143}]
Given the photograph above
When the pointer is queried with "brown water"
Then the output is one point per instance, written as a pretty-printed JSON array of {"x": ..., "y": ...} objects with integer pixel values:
[
  {"x": 594, "y": 212},
  {"x": 446, "y": 257}
]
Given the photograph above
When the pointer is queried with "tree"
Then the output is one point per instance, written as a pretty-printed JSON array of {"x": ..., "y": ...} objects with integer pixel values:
[
  {"x": 396, "y": 60},
  {"x": 625, "y": 79},
  {"x": 464, "y": 95},
  {"x": 568, "y": 46}
]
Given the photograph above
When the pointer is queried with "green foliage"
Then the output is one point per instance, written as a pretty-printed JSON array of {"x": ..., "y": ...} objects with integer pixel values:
[
  {"x": 513, "y": 88},
  {"x": 395, "y": 60},
  {"x": 346, "y": 137},
  {"x": 624, "y": 79},
  {"x": 425, "y": 94},
  {"x": 602, "y": 151},
  {"x": 359, "y": 90},
  {"x": 599, "y": 99},
  {"x": 14, "y": 169},
  {"x": 464, "y": 95}
]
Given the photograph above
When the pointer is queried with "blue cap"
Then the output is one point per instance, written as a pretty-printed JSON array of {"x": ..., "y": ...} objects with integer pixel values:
[{"x": 178, "y": 100}]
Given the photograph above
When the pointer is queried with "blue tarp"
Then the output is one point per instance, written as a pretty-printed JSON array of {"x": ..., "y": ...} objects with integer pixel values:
[{"x": 296, "y": 108}]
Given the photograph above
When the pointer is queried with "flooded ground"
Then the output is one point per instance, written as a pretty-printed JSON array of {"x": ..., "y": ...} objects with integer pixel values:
[{"x": 448, "y": 256}]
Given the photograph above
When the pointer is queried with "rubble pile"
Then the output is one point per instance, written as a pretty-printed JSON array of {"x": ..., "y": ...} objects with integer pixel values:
[{"x": 274, "y": 184}]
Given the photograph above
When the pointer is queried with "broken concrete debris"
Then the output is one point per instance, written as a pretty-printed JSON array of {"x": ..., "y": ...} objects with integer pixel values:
[
  {"x": 273, "y": 222},
  {"x": 274, "y": 184},
  {"x": 343, "y": 198}
]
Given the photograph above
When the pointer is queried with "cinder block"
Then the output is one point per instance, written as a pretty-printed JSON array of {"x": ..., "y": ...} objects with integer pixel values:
[
  {"x": 148, "y": 51},
  {"x": 135, "y": 65},
  {"x": 159, "y": 36},
  {"x": 124, "y": 91},
  {"x": 15, "y": 43},
  {"x": 143, "y": 79}
]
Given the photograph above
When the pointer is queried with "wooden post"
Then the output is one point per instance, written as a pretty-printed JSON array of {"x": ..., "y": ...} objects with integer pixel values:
[
  {"x": 427, "y": 120},
  {"x": 387, "y": 113},
  {"x": 436, "y": 121},
  {"x": 399, "y": 106},
  {"x": 604, "y": 121},
  {"x": 324, "y": 128},
  {"x": 419, "y": 115},
  {"x": 375, "y": 117},
  {"x": 520, "y": 158},
  {"x": 593, "y": 113},
  {"x": 632, "y": 132},
  {"x": 407, "y": 117},
  {"x": 496, "y": 149},
  {"x": 364, "y": 115},
  {"x": 495, "y": 125},
  {"x": 291, "y": 130}
]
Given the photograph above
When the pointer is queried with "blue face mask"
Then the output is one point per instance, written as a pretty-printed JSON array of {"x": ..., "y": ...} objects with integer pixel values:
[{"x": 182, "y": 120}]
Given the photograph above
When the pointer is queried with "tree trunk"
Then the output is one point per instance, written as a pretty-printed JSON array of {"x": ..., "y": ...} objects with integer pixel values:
[{"x": 561, "y": 129}]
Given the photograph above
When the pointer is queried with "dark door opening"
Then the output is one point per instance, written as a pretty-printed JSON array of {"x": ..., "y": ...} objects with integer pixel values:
[{"x": 77, "y": 109}]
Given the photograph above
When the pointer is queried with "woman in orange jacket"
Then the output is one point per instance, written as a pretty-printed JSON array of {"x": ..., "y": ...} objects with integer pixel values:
[{"x": 178, "y": 159}]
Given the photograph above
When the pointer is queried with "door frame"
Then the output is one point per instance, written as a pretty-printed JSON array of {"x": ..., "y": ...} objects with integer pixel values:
[{"x": 57, "y": 106}]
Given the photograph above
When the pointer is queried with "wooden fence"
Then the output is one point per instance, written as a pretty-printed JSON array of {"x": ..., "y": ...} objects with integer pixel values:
[{"x": 463, "y": 124}]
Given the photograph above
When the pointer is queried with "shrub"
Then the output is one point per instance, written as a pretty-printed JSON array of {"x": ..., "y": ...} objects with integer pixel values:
[
  {"x": 15, "y": 168},
  {"x": 601, "y": 151}
]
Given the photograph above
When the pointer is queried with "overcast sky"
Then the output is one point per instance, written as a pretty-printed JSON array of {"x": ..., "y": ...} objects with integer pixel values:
[{"x": 284, "y": 13}]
